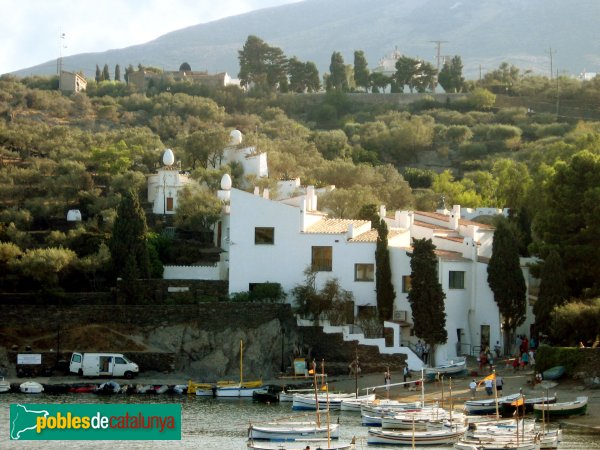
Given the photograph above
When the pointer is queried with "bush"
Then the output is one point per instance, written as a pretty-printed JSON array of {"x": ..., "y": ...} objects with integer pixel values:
[{"x": 547, "y": 357}]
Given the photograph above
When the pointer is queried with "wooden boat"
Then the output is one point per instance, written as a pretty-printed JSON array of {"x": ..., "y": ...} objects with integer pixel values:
[
  {"x": 508, "y": 408},
  {"x": 427, "y": 437},
  {"x": 180, "y": 389},
  {"x": 305, "y": 402},
  {"x": 451, "y": 367},
  {"x": 488, "y": 405},
  {"x": 292, "y": 431},
  {"x": 31, "y": 387},
  {"x": 553, "y": 373},
  {"x": 355, "y": 404},
  {"x": 287, "y": 395},
  {"x": 241, "y": 388},
  {"x": 418, "y": 419},
  {"x": 561, "y": 409},
  {"x": 469, "y": 444},
  {"x": 380, "y": 406},
  {"x": 268, "y": 394},
  {"x": 316, "y": 444}
]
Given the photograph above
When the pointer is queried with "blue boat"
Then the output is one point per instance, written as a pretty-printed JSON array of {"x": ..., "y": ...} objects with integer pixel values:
[{"x": 554, "y": 373}]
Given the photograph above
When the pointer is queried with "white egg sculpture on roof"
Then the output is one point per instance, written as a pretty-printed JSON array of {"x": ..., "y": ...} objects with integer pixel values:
[
  {"x": 236, "y": 137},
  {"x": 226, "y": 182},
  {"x": 168, "y": 157}
]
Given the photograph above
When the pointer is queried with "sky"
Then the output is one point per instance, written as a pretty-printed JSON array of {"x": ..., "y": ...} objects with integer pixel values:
[{"x": 36, "y": 31}]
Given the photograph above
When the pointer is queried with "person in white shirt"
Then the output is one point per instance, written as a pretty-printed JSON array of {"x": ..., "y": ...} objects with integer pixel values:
[{"x": 473, "y": 387}]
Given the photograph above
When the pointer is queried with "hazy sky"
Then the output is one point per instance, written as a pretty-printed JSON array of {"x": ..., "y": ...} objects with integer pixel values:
[{"x": 31, "y": 29}]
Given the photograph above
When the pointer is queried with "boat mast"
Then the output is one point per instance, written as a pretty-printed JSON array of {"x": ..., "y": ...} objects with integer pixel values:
[
  {"x": 241, "y": 362},
  {"x": 314, "y": 366}
]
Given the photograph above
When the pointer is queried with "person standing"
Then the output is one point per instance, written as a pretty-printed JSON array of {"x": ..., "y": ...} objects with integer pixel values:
[
  {"x": 426, "y": 348},
  {"x": 405, "y": 374},
  {"x": 499, "y": 383},
  {"x": 473, "y": 387},
  {"x": 489, "y": 385},
  {"x": 387, "y": 381}
]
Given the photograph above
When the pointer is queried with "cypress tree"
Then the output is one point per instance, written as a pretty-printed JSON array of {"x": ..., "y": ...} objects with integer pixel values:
[
  {"x": 426, "y": 296},
  {"x": 553, "y": 291},
  {"x": 129, "y": 237},
  {"x": 98, "y": 77},
  {"x": 506, "y": 280},
  {"x": 117, "y": 73},
  {"x": 105, "y": 73}
]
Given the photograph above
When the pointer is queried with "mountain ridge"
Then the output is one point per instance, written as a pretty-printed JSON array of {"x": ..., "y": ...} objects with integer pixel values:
[{"x": 483, "y": 32}]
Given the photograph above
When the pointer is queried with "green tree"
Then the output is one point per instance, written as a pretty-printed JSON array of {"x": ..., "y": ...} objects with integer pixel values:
[
  {"x": 45, "y": 265},
  {"x": 262, "y": 65},
  {"x": 205, "y": 146},
  {"x": 105, "y": 73},
  {"x": 129, "y": 237},
  {"x": 337, "y": 79},
  {"x": 383, "y": 273},
  {"x": 450, "y": 77},
  {"x": 379, "y": 81},
  {"x": 426, "y": 296},
  {"x": 506, "y": 280},
  {"x": 361, "y": 70},
  {"x": 304, "y": 77},
  {"x": 98, "y": 76},
  {"x": 568, "y": 220},
  {"x": 198, "y": 210},
  {"x": 117, "y": 73},
  {"x": 553, "y": 293},
  {"x": 128, "y": 71}
]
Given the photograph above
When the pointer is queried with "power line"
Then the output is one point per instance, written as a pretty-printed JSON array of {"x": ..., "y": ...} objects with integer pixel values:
[{"x": 438, "y": 45}]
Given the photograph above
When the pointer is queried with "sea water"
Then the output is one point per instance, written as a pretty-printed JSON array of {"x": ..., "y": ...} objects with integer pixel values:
[{"x": 214, "y": 424}]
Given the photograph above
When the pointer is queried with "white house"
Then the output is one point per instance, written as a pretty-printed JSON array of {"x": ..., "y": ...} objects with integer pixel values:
[
  {"x": 164, "y": 185},
  {"x": 252, "y": 161},
  {"x": 273, "y": 241}
]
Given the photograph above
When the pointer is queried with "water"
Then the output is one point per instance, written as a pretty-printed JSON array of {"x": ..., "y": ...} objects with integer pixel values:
[{"x": 213, "y": 424}]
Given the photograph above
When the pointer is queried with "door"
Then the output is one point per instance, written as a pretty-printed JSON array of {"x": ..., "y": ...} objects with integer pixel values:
[
  {"x": 459, "y": 350},
  {"x": 485, "y": 336},
  {"x": 75, "y": 365},
  {"x": 106, "y": 364}
]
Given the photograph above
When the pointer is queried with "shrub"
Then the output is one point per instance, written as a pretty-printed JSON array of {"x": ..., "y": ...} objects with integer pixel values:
[{"x": 547, "y": 357}]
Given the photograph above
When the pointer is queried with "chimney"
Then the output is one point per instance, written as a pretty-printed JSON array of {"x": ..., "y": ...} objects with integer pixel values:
[
  {"x": 310, "y": 194},
  {"x": 266, "y": 193},
  {"x": 350, "y": 233},
  {"x": 256, "y": 190},
  {"x": 454, "y": 217},
  {"x": 403, "y": 219},
  {"x": 382, "y": 212}
]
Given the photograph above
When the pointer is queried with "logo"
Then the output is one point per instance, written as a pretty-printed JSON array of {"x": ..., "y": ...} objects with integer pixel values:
[{"x": 95, "y": 422}]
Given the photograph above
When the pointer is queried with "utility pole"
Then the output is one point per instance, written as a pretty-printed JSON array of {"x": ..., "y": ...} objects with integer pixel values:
[
  {"x": 438, "y": 45},
  {"x": 551, "y": 53},
  {"x": 61, "y": 38}
]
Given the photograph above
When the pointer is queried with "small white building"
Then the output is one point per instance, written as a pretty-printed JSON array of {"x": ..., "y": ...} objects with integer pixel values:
[
  {"x": 252, "y": 161},
  {"x": 164, "y": 185}
]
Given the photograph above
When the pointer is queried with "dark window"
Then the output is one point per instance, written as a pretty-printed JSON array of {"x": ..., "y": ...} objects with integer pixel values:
[
  {"x": 456, "y": 279},
  {"x": 406, "y": 283},
  {"x": 119, "y": 360},
  {"x": 169, "y": 203},
  {"x": 322, "y": 259},
  {"x": 364, "y": 272},
  {"x": 264, "y": 235}
]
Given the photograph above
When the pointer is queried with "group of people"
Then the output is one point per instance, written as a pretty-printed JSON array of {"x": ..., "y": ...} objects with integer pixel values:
[
  {"x": 524, "y": 354},
  {"x": 488, "y": 384}
]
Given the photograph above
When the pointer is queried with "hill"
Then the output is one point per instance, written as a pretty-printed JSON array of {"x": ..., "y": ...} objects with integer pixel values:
[{"x": 483, "y": 32}]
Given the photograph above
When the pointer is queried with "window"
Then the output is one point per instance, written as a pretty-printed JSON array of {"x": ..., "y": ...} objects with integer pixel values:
[
  {"x": 119, "y": 360},
  {"x": 406, "y": 283},
  {"x": 264, "y": 235},
  {"x": 322, "y": 259},
  {"x": 364, "y": 272},
  {"x": 169, "y": 203},
  {"x": 456, "y": 279},
  {"x": 76, "y": 358}
]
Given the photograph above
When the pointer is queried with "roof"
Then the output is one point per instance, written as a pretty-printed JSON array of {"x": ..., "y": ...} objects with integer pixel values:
[
  {"x": 447, "y": 255},
  {"x": 428, "y": 225},
  {"x": 452, "y": 238},
  {"x": 439, "y": 216},
  {"x": 371, "y": 235},
  {"x": 334, "y": 226}
]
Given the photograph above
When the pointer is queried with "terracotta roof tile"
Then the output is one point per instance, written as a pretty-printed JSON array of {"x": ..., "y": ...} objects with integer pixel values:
[{"x": 334, "y": 226}]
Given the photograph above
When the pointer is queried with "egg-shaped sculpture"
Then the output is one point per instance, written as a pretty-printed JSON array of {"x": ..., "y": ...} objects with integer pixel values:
[
  {"x": 168, "y": 157},
  {"x": 226, "y": 182},
  {"x": 236, "y": 137}
]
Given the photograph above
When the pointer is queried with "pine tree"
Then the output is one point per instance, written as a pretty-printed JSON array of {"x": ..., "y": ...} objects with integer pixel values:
[
  {"x": 553, "y": 291},
  {"x": 129, "y": 237},
  {"x": 117, "y": 73},
  {"x": 506, "y": 280},
  {"x": 426, "y": 296}
]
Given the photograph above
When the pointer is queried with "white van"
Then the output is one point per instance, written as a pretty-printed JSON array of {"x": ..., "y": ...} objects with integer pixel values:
[{"x": 102, "y": 364}]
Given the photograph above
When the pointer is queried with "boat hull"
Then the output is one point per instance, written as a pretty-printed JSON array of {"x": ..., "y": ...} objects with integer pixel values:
[
  {"x": 292, "y": 431},
  {"x": 434, "y": 437},
  {"x": 550, "y": 411},
  {"x": 31, "y": 387}
]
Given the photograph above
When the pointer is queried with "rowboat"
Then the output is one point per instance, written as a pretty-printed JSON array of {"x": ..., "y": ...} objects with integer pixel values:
[
  {"x": 31, "y": 387},
  {"x": 574, "y": 408},
  {"x": 302, "y": 402},
  {"x": 355, "y": 404},
  {"x": 469, "y": 444},
  {"x": 451, "y": 367},
  {"x": 488, "y": 405},
  {"x": 316, "y": 444},
  {"x": 508, "y": 408},
  {"x": 384, "y": 406},
  {"x": 553, "y": 373},
  {"x": 428, "y": 437},
  {"x": 292, "y": 431},
  {"x": 419, "y": 419},
  {"x": 287, "y": 395}
]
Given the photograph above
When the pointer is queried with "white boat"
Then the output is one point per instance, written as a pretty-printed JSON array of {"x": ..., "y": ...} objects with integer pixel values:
[
  {"x": 31, "y": 387},
  {"x": 427, "y": 437},
  {"x": 241, "y": 389},
  {"x": 316, "y": 444},
  {"x": 471, "y": 445},
  {"x": 553, "y": 410},
  {"x": 306, "y": 402},
  {"x": 385, "y": 406},
  {"x": 4, "y": 386},
  {"x": 287, "y": 395},
  {"x": 419, "y": 419},
  {"x": 451, "y": 367},
  {"x": 355, "y": 404},
  {"x": 488, "y": 405},
  {"x": 292, "y": 431}
]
